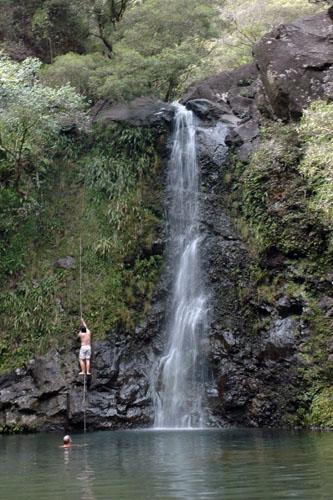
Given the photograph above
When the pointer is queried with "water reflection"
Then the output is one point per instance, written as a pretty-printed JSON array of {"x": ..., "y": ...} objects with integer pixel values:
[
  {"x": 190, "y": 465},
  {"x": 86, "y": 478}
]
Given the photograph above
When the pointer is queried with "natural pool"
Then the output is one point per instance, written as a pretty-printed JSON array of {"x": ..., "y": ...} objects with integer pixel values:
[{"x": 139, "y": 465}]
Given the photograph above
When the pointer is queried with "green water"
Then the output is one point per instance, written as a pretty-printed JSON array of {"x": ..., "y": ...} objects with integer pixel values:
[{"x": 140, "y": 465}]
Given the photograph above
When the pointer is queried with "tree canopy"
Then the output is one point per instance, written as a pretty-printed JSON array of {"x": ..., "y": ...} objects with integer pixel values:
[
  {"x": 160, "y": 43},
  {"x": 123, "y": 48},
  {"x": 31, "y": 116}
]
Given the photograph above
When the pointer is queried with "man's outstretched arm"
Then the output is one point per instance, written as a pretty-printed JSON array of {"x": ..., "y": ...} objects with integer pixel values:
[{"x": 83, "y": 323}]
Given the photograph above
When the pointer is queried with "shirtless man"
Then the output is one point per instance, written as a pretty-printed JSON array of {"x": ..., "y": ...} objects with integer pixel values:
[{"x": 85, "y": 351}]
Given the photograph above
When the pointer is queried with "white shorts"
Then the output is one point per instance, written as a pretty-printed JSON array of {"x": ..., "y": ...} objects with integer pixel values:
[{"x": 85, "y": 352}]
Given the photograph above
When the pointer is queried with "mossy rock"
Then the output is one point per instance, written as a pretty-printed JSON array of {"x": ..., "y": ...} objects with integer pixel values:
[{"x": 321, "y": 410}]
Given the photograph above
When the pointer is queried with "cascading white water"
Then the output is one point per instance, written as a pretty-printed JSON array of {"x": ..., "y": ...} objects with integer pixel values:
[{"x": 180, "y": 375}]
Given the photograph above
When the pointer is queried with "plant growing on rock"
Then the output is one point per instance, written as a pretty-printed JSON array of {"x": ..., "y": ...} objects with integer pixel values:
[
  {"x": 276, "y": 197},
  {"x": 317, "y": 164}
]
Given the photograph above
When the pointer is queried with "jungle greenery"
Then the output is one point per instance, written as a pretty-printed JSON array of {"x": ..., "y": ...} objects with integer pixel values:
[
  {"x": 62, "y": 179},
  {"x": 123, "y": 48},
  {"x": 106, "y": 195},
  {"x": 282, "y": 202}
]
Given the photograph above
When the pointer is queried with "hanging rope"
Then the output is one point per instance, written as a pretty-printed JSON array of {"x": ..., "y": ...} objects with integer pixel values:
[
  {"x": 80, "y": 278},
  {"x": 81, "y": 250},
  {"x": 84, "y": 401},
  {"x": 84, "y": 404}
]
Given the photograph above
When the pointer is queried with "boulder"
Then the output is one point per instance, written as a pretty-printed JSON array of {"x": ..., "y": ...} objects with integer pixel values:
[
  {"x": 295, "y": 62},
  {"x": 219, "y": 88},
  {"x": 208, "y": 110},
  {"x": 141, "y": 112},
  {"x": 289, "y": 306},
  {"x": 230, "y": 97},
  {"x": 281, "y": 340},
  {"x": 66, "y": 263}
]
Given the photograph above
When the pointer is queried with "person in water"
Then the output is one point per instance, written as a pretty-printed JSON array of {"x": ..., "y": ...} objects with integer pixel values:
[
  {"x": 85, "y": 350},
  {"x": 67, "y": 442}
]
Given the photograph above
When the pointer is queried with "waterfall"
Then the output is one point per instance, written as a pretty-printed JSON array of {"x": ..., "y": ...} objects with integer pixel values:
[{"x": 179, "y": 378}]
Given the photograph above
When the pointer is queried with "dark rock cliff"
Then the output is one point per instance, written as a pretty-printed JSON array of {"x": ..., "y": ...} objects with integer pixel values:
[
  {"x": 296, "y": 65},
  {"x": 254, "y": 379}
]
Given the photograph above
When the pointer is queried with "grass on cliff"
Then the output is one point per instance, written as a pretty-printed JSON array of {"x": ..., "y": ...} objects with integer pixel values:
[
  {"x": 275, "y": 198},
  {"x": 107, "y": 192},
  {"x": 316, "y": 135}
]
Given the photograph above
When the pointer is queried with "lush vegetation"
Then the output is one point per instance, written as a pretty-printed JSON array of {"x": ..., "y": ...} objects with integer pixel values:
[
  {"x": 275, "y": 198},
  {"x": 63, "y": 181},
  {"x": 283, "y": 205},
  {"x": 55, "y": 191},
  {"x": 123, "y": 48},
  {"x": 33, "y": 122},
  {"x": 317, "y": 164},
  {"x": 104, "y": 195}
]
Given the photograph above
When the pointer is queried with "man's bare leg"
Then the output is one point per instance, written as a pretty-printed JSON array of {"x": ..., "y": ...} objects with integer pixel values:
[
  {"x": 83, "y": 367},
  {"x": 88, "y": 366}
]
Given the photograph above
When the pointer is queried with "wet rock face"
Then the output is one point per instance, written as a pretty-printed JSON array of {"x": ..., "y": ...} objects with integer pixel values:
[
  {"x": 49, "y": 393},
  {"x": 141, "y": 112},
  {"x": 296, "y": 64},
  {"x": 253, "y": 376},
  {"x": 230, "y": 98}
]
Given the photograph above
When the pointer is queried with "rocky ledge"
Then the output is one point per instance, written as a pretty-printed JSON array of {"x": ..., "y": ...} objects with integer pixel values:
[{"x": 48, "y": 394}]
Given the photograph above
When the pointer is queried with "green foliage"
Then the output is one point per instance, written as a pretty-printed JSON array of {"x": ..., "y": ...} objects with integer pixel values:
[
  {"x": 41, "y": 22},
  {"x": 321, "y": 411},
  {"x": 106, "y": 194},
  {"x": 124, "y": 48},
  {"x": 159, "y": 45},
  {"x": 31, "y": 119},
  {"x": 17, "y": 225},
  {"x": 275, "y": 198},
  {"x": 153, "y": 47},
  {"x": 317, "y": 164},
  {"x": 115, "y": 180},
  {"x": 48, "y": 28},
  {"x": 104, "y": 16},
  {"x": 32, "y": 317},
  {"x": 150, "y": 46},
  {"x": 79, "y": 71},
  {"x": 13, "y": 429},
  {"x": 120, "y": 222}
]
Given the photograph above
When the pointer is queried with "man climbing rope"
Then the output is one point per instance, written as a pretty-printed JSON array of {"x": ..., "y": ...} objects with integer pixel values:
[{"x": 85, "y": 350}]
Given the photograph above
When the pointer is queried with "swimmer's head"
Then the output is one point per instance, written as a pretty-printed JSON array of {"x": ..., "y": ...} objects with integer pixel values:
[{"x": 67, "y": 439}]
